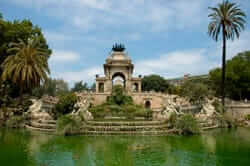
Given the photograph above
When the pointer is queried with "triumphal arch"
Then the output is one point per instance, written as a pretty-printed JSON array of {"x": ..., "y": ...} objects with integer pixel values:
[{"x": 118, "y": 70}]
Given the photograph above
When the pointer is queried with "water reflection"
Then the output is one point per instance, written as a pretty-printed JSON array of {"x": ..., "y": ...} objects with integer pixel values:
[{"x": 219, "y": 147}]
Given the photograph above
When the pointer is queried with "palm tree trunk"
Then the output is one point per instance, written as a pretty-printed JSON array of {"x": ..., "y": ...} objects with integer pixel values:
[{"x": 223, "y": 67}]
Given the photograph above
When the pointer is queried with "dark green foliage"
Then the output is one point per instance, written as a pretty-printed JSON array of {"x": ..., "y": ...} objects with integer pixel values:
[
  {"x": 154, "y": 83},
  {"x": 187, "y": 124},
  {"x": 247, "y": 117},
  {"x": 119, "y": 105},
  {"x": 79, "y": 86},
  {"x": 118, "y": 47},
  {"x": 15, "y": 122},
  {"x": 119, "y": 97},
  {"x": 65, "y": 104},
  {"x": 195, "y": 92},
  {"x": 12, "y": 32},
  {"x": 69, "y": 125},
  {"x": 237, "y": 85},
  {"x": 127, "y": 111}
]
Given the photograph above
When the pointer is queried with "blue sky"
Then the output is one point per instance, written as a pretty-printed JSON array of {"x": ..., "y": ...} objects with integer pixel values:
[{"x": 162, "y": 37}]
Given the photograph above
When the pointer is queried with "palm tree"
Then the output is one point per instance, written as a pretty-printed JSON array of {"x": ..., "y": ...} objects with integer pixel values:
[
  {"x": 228, "y": 19},
  {"x": 27, "y": 66}
]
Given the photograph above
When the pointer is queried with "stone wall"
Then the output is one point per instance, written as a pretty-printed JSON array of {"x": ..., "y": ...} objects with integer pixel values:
[{"x": 239, "y": 110}]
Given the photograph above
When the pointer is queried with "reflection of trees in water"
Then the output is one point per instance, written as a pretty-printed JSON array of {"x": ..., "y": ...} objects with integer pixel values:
[
  {"x": 41, "y": 149},
  {"x": 13, "y": 148}
]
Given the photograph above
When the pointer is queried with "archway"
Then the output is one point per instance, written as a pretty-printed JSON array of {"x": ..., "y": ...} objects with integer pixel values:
[
  {"x": 148, "y": 104},
  {"x": 135, "y": 87},
  {"x": 101, "y": 87},
  {"x": 119, "y": 79}
]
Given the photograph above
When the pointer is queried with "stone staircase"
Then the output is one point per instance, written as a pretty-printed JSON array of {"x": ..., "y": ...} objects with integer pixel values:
[
  {"x": 42, "y": 125},
  {"x": 126, "y": 127},
  {"x": 116, "y": 127}
]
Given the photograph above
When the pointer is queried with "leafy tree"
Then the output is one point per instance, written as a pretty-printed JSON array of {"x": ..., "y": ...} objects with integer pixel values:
[
  {"x": 61, "y": 86},
  {"x": 66, "y": 103},
  {"x": 51, "y": 87},
  {"x": 154, "y": 83},
  {"x": 119, "y": 97},
  {"x": 237, "y": 77},
  {"x": 228, "y": 19},
  {"x": 79, "y": 86},
  {"x": 27, "y": 66},
  {"x": 195, "y": 92}
]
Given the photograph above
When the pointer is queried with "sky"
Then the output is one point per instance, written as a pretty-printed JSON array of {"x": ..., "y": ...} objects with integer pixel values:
[{"x": 165, "y": 37}]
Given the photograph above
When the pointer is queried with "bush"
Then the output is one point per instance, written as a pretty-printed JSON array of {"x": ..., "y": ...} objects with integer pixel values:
[
  {"x": 247, "y": 117},
  {"x": 118, "y": 96},
  {"x": 15, "y": 122},
  {"x": 195, "y": 92},
  {"x": 65, "y": 104},
  {"x": 68, "y": 125},
  {"x": 172, "y": 119},
  {"x": 187, "y": 124}
]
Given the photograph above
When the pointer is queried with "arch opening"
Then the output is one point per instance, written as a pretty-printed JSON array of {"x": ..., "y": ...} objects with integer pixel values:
[
  {"x": 101, "y": 87},
  {"x": 119, "y": 79},
  {"x": 135, "y": 87},
  {"x": 148, "y": 104}
]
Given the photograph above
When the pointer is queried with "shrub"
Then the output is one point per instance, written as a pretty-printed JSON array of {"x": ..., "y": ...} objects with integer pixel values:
[
  {"x": 15, "y": 122},
  {"x": 65, "y": 104},
  {"x": 119, "y": 97},
  {"x": 247, "y": 117},
  {"x": 172, "y": 119},
  {"x": 187, "y": 124},
  {"x": 68, "y": 125}
]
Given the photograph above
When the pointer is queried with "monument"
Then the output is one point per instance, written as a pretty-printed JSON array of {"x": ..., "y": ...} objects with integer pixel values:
[{"x": 118, "y": 69}]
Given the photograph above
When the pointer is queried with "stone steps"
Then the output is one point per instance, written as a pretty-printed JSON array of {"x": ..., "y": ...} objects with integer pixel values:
[
  {"x": 43, "y": 125},
  {"x": 125, "y": 123},
  {"x": 126, "y": 128},
  {"x": 39, "y": 129},
  {"x": 154, "y": 132}
]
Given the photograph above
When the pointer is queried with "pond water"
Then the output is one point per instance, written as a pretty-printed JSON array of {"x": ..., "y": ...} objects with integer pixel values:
[{"x": 217, "y": 147}]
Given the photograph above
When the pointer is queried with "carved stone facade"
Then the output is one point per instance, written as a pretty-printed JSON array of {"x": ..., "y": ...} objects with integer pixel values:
[{"x": 118, "y": 69}]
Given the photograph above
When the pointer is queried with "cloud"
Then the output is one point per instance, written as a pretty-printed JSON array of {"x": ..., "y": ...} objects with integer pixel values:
[
  {"x": 175, "y": 64},
  {"x": 64, "y": 56},
  {"x": 85, "y": 75},
  {"x": 102, "y": 14}
]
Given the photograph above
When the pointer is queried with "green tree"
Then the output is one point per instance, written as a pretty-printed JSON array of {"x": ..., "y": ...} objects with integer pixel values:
[
  {"x": 27, "y": 67},
  {"x": 237, "y": 77},
  {"x": 154, "y": 83},
  {"x": 195, "y": 92},
  {"x": 65, "y": 105},
  {"x": 79, "y": 86},
  {"x": 228, "y": 19}
]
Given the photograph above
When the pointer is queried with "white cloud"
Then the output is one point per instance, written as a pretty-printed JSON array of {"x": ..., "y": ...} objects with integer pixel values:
[
  {"x": 176, "y": 64},
  {"x": 97, "y": 14},
  {"x": 64, "y": 56},
  {"x": 85, "y": 75}
]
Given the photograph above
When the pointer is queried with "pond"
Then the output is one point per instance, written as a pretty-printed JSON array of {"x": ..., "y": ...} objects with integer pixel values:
[{"x": 218, "y": 147}]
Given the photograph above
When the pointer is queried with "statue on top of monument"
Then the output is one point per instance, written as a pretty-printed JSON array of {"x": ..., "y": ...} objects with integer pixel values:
[{"x": 118, "y": 47}]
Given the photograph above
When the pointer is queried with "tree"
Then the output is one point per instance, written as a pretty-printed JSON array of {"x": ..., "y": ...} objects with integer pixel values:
[
  {"x": 154, "y": 83},
  {"x": 27, "y": 67},
  {"x": 237, "y": 77},
  {"x": 79, "y": 86},
  {"x": 231, "y": 19},
  {"x": 195, "y": 92}
]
